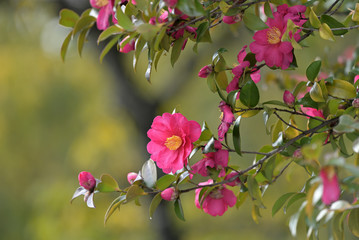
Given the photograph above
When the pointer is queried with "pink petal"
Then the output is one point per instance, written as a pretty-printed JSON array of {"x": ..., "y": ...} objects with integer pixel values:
[
  {"x": 103, "y": 17},
  {"x": 242, "y": 54}
]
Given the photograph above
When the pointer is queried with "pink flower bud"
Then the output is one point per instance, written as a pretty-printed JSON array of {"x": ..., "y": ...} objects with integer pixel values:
[
  {"x": 87, "y": 181},
  {"x": 131, "y": 176},
  {"x": 288, "y": 98},
  {"x": 235, "y": 182},
  {"x": 152, "y": 21},
  {"x": 231, "y": 19},
  {"x": 170, "y": 3},
  {"x": 169, "y": 194},
  {"x": 298, "y": 153},
  {"x": 355, "y": 103},
  {"x": 205, "y": 71},
  {"x": 128, "y": 47}
]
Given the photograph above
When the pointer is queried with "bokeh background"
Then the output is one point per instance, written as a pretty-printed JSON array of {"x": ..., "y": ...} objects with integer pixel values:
[{"x": 58, "y": 119}]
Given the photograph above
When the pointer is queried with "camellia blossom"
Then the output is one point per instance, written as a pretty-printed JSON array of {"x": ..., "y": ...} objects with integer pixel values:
[
  {"x": 216, "y": 203},
  {"x": 106, "y": 10},
  {"x": 268, "y": 45},
  {"x": 239, "y": 69},
  {"x": 227, "y": 118},
  {"x": 172, "y": 137},
  {"x": 205, "y": 71},
  {"x": 128, "y": 47},
  {"x": 294, "y": 13},
  {"x": 169, "y": 194},
  {"x": 331, "y": 189},
  {"x": 217, "y": 160},
  {"x": 88, "y": 185}
]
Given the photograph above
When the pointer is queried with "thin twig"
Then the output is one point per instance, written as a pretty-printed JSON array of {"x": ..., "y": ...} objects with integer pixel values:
[{"x": 286, "y": 123}]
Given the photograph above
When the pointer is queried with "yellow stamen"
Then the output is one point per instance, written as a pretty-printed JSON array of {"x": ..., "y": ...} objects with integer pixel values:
[
  {"x": 101, "y": 3},
  {"x": 273, "y": 35},
  {"x": 173, "y": 143}
]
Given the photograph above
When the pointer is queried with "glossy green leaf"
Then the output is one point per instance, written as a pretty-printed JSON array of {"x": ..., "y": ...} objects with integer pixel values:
[
  {"x": 211, "y": 83},
  {"x": 333, "y": 23},
  {"x": 353, "y": 222},
  {"x": 148, "y": 31},
  {"x": 313, "y": 70},
  {"x": 81, "y": 40},
  {"x": 253, "y": 22},
  {"x": 316, "y": 93},
  {"x": 209, "y": 146},
  {"x": 346, "y": 124},
  {"x": 176, "y": 50},
  {"x": 65, "y": 46},
  {"x": 113, "y": 206},
  {"x": 108, "y": 184},
  {"x": 123, "y": 20},
  {"x": 294, "y": 199},
  {"x": 221, "y": 79},
  {"x": 108, "y": 47},
  {"x": 249, "y": 94},
  {"x": 299, "y": 88},
  {"x": 326, "y": 33},
  {"x": 255, "y": 214},
  {"x": 159, "y": 38},
  {"x": 192, "y": 8},
  {"x": 133, "y": 192},
  {"x": 313, "y": 19},
  {"x": 341, "y": 89},
  {"x": 203, "y": 34},
  {"x": 178, "y": 209},
  {"x": 68, "y": 18},
  {"x": 206, "y": 133},
  {"x": 110, "y": 31},
  {"x": 355, "y": 16},
  {"x": 237, "y": 136},
  {"x": 149, "y": 173},
  {"x": 140, "y": 43},
  {"x": 154, "y": 204},
  {"x": 254, "y": 191},
  {"x": 83, "y": 23},
  {"x": 165, "y": 181},
  {"x": 268, "y": 10},
  {"x": 338, "y": 227},
  {"x": 280, "y": 202}
]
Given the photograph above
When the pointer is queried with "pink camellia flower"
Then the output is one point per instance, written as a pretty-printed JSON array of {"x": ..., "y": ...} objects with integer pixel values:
[
  {"x": 226, "y": 120},
  {"x": 217, "y": 160},
  {"x": 172, "y": 137},
  {"x": 288, "y": 98},
  {"x": 268, "y": 45},
  {"x": 163, "y": 18},
  {"x": 88, "y": 185},
  {"x": 294, "y": 13},
  {"x": 169, "y": 194},
  {"x": 232, "y": 19},
  {"x": 216, "y": 203},
  {"x": 131, "y": 176},
  {"x": 87, "y": 181},
  {"x": 312, "y": 112},
  {"x": 205, "y": 71},
  {"x": 128, "y": 47},
  {"x": 106, "y": 10},
  {"x": 235, "y": 182},
  {"x": 170, "y": 3},
  {"x": 331, "y": 189},
  {"x": 239, "y": 69}
]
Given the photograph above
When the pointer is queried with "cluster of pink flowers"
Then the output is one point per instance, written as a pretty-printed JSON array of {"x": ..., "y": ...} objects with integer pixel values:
[{"x": 268, "y": 45}]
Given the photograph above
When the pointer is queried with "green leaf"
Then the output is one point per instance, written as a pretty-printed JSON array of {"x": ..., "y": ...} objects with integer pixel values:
[
  {"x": 211, "y": 82},
  {"x": 300, "y": 86},
  {"x": 313, "y": 70},
  {"x": 346, "y": 124},
  {"x": 133, "y": 192},
  {"x": 203, "y": 34},
  {"x": 316, "y": 93},
  {"x": 83, "y": 23},
  {"x": 341, "y": 89},
  {"x": 149, "y": 173},
  {"x": 353, "y": 222},
  {"x": 326, "y": 33},
  {"x": 65, "y": 45},
  {"x": 209, "y": 146},
  {"x": 154, "y": 204},
  {"x": 206, "y": 133},
  {"x": 81, "y": 40},
  {"x": 165, "y": 181},
  {"x": 275, "y": 102},
  {"x": 178, "y": 209},
  {"x": 191, "y": 8},
  {"x": 221, "y": 79},
  {"x": 148, "y": 31},
  {"x": 338, "y": 227},
  {"x": 268, "y": 10},
  {"x": 254, "y": 191},
  {"x": 108, "y": 184},
  {"x": 140, "y": 43},
  {"x": 68, "y": 18},
  {"x": 255, "y": 214},
  {"x": 113, "y": 206},
  {"x": 249, "y": 94},
  {"x": 112, "y": 30},
  {"x": 313, "y": 19},
  {"x": 176, "y": 50},
  {"x": 237, "y": 136},
  {"x": 123, "y": 20},
  {"x": 295, "y": 198},
  {"x": 108, "y": 47},
  {"x": 253, "y": 22},
  {"x": 280, "y": 202},
  {"x": 333, "y": 23},
  {"x": 159, "y": 38}
]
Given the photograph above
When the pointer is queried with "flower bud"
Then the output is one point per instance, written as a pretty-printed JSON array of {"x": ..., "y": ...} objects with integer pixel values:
[
  {"x": 169, "y": 194},
  {"x": 152, "y": 21},
  {"x": 205, "y": 71},
  {"x": 235, "y": 182},
  {"x": 131, "y": 176},
  {"x": 128, "y": 47},
  {"x": 231, "y": 19},
  {"x": 355, "y": 103},
  {"x": 298, "y": 153},
  {"x": 288, "y": 98},
  {"x": 87, "y": 181}
]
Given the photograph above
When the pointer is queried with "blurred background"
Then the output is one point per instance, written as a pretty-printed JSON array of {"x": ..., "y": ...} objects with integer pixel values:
[{"x": 60, "y": 118}]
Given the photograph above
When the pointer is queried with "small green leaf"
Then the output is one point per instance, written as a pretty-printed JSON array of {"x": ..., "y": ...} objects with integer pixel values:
[
  {"x": 294, "y": 199},
  {"x": 123, "y": 20},
  {"x": 176, "y": 50},
  {"x": 113, "y": 206},
  {"x": 140, "y": 43},
  {"x": 192, "y": 8},
  {"x": 133, "y": 192},
  {"x": 178, "y": 209},
  {"x": 165, "y": 181},
  {"x": 313, "y": 19},
  {"x": 81, "y": 40},
  {"x": 209, "y": 146},
  {"x": 112, "y": 30},
  {"x": 254, "y": 191},
  {"x": 253, "y": 22},
  {"x": 338, "y": 227},
  {"x": 316, "y": 93},
  {"x": 275, "y": 102},
  {"x": 211, "y": 82},
  {"x": 249, "y": 94},
  {"x": 65, "y": 46},
  {"x": 148, "y": 31},
  {"x": 326, "y": 33},
  {"x": 108, "y": 184},
  {"x": 341, "y": 89},
  {"x": 333, "y": 23},
  {"x": 237, "y": 136},
  {"x": 313, "y": 70},
  {"x": 68, "y": 18},
  {"x": 346, "y": 124},
  {"x": 154, "y": 204},
  {"x": 108, "y": 47},
  {"x": 268, "y": 10},
  {"x": 353, "y": 222},
  {"x": 83, "y": 23},
  {"x": 221, "y": 79},
  {"x": 280, "y": 202},
  {"x": 255, "y": 214},
  {"x": 159, "y": 38}
]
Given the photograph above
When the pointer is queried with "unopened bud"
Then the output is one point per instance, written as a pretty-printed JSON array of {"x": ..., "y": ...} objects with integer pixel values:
[
  {"x": 205, "y": 71},
  {"x": 87, "y": 181},
  {"x": 169, "y": 194},
  {"x": 235, "y": 182},
  {"x": 355, "y": 103},
  {"x": 131, "y": 176},
  {"x": 288, "y": 98},
  {"x": 232, "y": 19}
]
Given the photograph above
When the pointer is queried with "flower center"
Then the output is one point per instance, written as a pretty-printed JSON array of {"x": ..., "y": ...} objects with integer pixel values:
[
  {"x": 173, "y": 143},
  {"x": 216, "y": 194},
  {"x": 273, "y": 35},
  {"x": 101, "y": 3}
]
